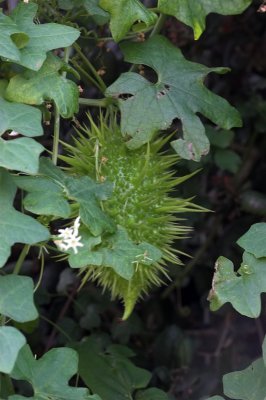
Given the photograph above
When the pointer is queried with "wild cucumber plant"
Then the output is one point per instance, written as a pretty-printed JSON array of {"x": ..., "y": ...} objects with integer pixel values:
[{"x": 109, "y": 206}]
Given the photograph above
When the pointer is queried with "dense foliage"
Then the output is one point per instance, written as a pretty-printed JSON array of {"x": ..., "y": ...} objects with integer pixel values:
[{"x": 114, "y": 142}]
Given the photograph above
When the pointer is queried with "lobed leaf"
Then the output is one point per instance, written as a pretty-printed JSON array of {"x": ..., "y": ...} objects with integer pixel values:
[
  {"x": 193, "y": 12},
  {"x": 241, "y": 289},
  {"x": 25, "y": 42},
  {"x": 35, "y": 88},
  {"x": 15, "y": 227},
  {"x": 254, "y": 240},
  {"x": 179, "y": 92},
  {"x": 49, "y": 375}
]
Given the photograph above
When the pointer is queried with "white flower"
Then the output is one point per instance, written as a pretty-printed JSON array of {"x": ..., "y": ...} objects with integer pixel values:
[
  {"x": 69, "y": 238},
  {"x": 74, "y": 243},
  {"x": 66, "y": 233}
]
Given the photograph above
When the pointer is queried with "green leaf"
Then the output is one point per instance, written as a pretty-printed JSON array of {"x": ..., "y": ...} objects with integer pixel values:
[
  {"x": 254, "y": 240},
  {"x": 21, "y": 118},
  {"x": 26, "y": 43},
  {"x": 91, "y": 6},
  {"x": 20, "y": 154},
  {"x": 249, "y": 384},
  {"x": 178, "y": 93},
  {"x": 120, "y": 378},
  {"x": 15, "y": 227},
  {"x": 193, "y": 12},
  {"x": 16, "y": 300},
  {"x": 11, "y": 341},
  {"x": 34, "y": 88},
  {"x": 215, "y": 398},
  {"x": 124, "y": 13},
  {"x": 152, "y": 394},
  {"x": 49, "y": 375},
  {"x": 227, "y": 160},
  {"x": 44, "y": 197},
  {"x": 243, "y": 289},
  {"x": 121, "y": 254}
]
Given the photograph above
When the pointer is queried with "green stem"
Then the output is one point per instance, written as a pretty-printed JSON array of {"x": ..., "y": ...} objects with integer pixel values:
[
  {"x": 21, "y": 259},
  {"x": 159, "y": 25},
  {"x": 56, "y": 134},
  {"x": 97, "y": 77},
  {"x": 93, "y": 102},
  {"x": 85, "y": 74}
]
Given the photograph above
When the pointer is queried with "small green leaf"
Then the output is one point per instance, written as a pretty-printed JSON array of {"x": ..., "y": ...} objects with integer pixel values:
[
  {"x": 249, "y": 384},
  {"x": 34, "y": 88},
  {"x": 20, "y": 154},
  {"x": 219, "y": 138},
  {"x": 242, "y": 290},
  {"x": 26, "y": 42},
  {"x": 124, "y": 13},
  {"x": 11, "y": 341},
  {"x": 227, "y": 160},
  {"x": 193, "y": 12},
  {"x": 254, "y": 240},
  {"x": 16, "y": 300},
  {"x": 178, "y": 93},
  {"x": 15, "y": 227},
  {"x": 120, "y": 378},
  {"x": 121, "y": 254},
  {"x": 49, "y": 375},
  {"x": 152, "y": 394}
]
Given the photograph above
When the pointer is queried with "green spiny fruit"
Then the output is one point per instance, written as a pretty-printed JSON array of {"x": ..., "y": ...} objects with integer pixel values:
[{"x": 141, "y": 202}]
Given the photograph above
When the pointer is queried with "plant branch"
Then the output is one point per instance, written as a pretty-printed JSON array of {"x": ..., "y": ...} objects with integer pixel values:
[
  {"x": 93, "y": 102},
  {"x": 21, "y": 259}
]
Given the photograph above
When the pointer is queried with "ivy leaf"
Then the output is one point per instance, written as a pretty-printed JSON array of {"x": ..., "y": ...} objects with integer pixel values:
[
  {"x": 11, "y": 341},
  {"x": 26, "y": 43},
  {"x": 34, "y": 88},
  {"x": 120, "y": 378},
  {"x": 49, "y": 375},
  {"x": 254, "y": 240},
  {"x": 15, "y": 227},
  {"x": 249, "y": 384},
  {"x": 124, "y": 13},
  {"x": 17, "y": 298},
  {"x": 121, "y": 254},
  {"x": 243, "y": 289},
  {"x": 178, "y": 93},
  {"x": 193, "y": 12}
]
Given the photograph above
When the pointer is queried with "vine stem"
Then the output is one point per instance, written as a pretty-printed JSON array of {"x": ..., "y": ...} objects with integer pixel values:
[
  {"x": 93, "y": 102},
  {"x": 97, "y": 77},
  {"x": 21, "y": 259},
  {"x": 57, "y": 116}
]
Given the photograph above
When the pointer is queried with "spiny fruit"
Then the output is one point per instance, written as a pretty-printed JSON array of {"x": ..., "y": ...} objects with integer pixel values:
[{"x": 142, "y": 200}]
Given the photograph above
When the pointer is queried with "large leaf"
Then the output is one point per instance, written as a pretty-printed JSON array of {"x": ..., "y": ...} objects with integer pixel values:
[
  {"x": 152, "y": 394},
  {"x": 254, "y": 240},
  {"x": 110, "y": 373},
  {"x": 178, "y": 93},
  {"x": 194, "y": 12},
  {"x": 11, "y": 341},
  {"x": 26, "y": 42},
  {"x": 50, "y": 191},
  {"x": 15, "y": 227},
  {"x": 121, "y": 254},
  {"x": 243, "y": 289},
  {"x": 249, "y": 384},
  {"x": 124, "y": 13},
  {"x": 49, "y": 375},
  {"x": 34, "y": 88},
  {"x": 16, "y": 299}
]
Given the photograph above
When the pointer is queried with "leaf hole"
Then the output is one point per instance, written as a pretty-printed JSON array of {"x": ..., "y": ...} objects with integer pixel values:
[{"x": 125, "y": 96}]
